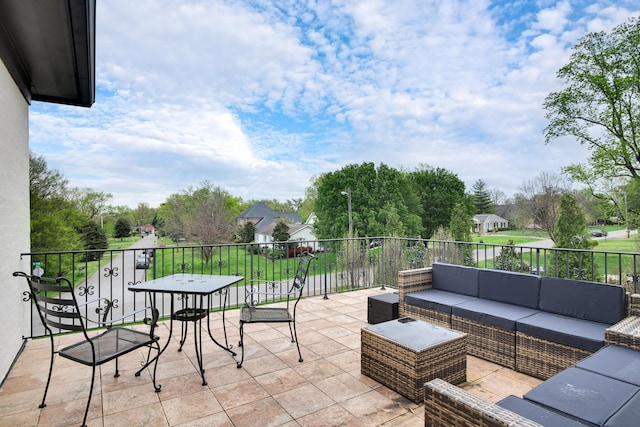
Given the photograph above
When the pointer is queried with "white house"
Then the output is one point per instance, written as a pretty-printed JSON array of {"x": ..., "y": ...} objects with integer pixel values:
[
  {"x": 47, "y": 53},
  {"x": 296, "y": 232},
  {"x": 486, "y": 223}
]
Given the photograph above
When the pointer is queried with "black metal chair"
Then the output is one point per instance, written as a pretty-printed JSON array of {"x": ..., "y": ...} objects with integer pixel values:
[
  {"x": 59, "y": 310},
  {"x": 252, "y": 313}
]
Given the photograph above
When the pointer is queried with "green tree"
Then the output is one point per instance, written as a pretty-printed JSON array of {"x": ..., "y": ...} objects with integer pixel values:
[
  {"x": 371, "y": 189},
  {"x": 204, "y": 214},
  {"x": 91, "y": 203},
  {"x": 247, "y": 232},
  {"x": 482, "y": 198},
  {"x": 438, "y": 190},
  {"x": 281, "y": 232},
  {"x": 460, "y": 225},
  {"x": 54, "y": 220},
  {"x": 599, "y": 104},
  {"x": 571, "y": 233},
  {"x": 94, "y": 238},
  {"x": 122, "y": 228},
  {"x": 538, "y": 202}
]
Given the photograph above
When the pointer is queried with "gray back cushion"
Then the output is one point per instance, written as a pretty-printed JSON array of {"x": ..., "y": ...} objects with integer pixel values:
[
  {"x": 455, "y": 278},
  {"x": 510, "y": 287},
  {"x": 598, "y": 302}
]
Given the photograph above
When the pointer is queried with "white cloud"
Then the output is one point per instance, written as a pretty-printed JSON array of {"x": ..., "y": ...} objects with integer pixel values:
[{"x": 257, "y": 97}]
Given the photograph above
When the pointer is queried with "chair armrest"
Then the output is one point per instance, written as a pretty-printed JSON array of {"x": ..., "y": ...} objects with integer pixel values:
[
  {"x": 445, "y": 404},
  {"x": 110, "y": 322},
  {"x": 634, "y": 305}
]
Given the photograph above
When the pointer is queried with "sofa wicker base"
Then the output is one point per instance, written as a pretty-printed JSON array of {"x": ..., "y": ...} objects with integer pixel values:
[
  {"x": 432, "y": 316},
  {"x": 488, "y": 342},
  {"x": 446, "y": 405},
  {"x": 405, "y": 369},
  {"x": 543, "y": 359},
  {"x": 625, "y": 333}
]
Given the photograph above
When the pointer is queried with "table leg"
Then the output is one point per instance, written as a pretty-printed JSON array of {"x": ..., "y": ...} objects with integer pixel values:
[
  {"x": 225, "y": 347},
  {"x": 152, "y": 298},
  {"x": 197, "y": 337}
]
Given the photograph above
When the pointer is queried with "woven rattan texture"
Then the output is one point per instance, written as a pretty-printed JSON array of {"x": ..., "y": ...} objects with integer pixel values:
[
  {"x": 543, "y": 359},
  {"x": 626, "y": 332},
  {"x": 437, "y": 317},
  {"x": 634, "y": 305},
  {"x": 446, "y": 405},
  {"x": 488, "y": 342},
  {"x": 405, "y": 370},
  {"x": 412, "y": 281}
]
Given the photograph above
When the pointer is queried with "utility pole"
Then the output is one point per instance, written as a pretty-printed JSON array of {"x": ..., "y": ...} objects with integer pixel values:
[{"x": 348, "y": 194}]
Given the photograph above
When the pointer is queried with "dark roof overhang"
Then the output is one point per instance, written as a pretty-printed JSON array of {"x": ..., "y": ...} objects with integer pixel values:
[{"x": 48, "y": 46}]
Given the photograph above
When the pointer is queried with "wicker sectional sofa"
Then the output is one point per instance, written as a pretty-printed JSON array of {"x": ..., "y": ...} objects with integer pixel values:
[
  {"x": 535, "y": 325},
  {"x": 600, "y": 390}
]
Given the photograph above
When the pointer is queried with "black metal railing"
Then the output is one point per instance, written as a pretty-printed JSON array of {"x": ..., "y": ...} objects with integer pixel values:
[{"x": 341, "y": 265}]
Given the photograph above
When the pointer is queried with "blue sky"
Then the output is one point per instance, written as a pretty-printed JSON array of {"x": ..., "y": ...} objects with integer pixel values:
[{"x": 260, "y": 96}]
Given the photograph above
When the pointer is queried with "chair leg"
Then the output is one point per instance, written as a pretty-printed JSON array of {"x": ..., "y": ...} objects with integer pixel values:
[
  {"x": 86, "y": 411},
  {"x": 46, "y": 388},
  {"x": 157, "y": 387},
  {"x": 241, "y": 344},
  {"x": 293, "y": 339},
  {"x": 295, "y": 334}
]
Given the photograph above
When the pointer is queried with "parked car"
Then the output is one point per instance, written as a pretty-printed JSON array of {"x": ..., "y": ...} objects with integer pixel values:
[
  {"x": 142, "y": 261},
  {"x": 149, "y": 253},
  {"x": 598, "y": 233},
  {"x": 299, "y": 251}
]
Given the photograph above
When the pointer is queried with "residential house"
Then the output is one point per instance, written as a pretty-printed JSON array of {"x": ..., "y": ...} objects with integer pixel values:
[
  {"x": 47, "y": 53},
  {"x": 262, "y": 215},
  {"x": 296, "y": 232},
  {"x": 487, "y": 223},
  {"x": 507, "y": 212}
]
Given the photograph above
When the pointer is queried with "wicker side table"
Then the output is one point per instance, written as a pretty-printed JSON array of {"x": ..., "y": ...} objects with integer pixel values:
[
  {"x": 405, "y": 353},
  {"x": 382, "y": 308},
  {"x": 626, "y": 332}
]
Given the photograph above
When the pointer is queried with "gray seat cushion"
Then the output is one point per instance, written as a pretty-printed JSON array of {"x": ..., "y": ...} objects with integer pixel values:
[
  {"x": 628, "y": 415},
  {"x": 534, "y": 412},
  {"x": 455, "y": 278},
  {"x": 598, "y": 302},
  {"x": 509, "y": 287},
  {"x": 435, "y": 299},
  {"x": 582, "y": 394},
  {"x": 492, "y": 313},
  {"x": 621, "y": 363},
  {"x": 564, "y": 330}
]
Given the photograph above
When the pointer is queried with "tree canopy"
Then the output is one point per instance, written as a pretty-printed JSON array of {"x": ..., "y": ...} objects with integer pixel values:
[
  {"x": 599, "y": 104},
  {"x": 482, "y": 198},
  {"x": 205, "y": 214},
  {"x": 372, "y": 190},
  {"x": 438, "y": 191}
]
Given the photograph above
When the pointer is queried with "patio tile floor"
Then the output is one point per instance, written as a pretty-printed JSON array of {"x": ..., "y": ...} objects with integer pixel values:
[{"x": 271, "y": 389}]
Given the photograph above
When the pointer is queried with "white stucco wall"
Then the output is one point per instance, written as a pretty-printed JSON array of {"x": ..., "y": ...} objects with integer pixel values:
[{"x": 14, "y": 215}]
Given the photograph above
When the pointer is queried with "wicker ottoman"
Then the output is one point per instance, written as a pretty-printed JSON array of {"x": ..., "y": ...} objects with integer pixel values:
[{"x": 406, "y": 353}]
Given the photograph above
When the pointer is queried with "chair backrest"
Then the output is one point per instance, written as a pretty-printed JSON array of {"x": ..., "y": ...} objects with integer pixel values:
[
  {"x": 56, "y": 303},
  {"x": 300, "y": 278}
]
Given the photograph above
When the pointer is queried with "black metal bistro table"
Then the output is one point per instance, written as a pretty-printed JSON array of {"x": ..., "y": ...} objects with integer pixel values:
[{"x": 196, "y": 291}]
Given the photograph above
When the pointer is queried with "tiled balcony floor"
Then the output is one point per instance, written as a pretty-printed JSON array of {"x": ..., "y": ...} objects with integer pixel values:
[{"x": 271, "y": 389}]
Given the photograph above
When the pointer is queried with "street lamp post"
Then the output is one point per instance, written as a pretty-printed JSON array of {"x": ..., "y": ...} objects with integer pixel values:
[{"x": 348, "y": 194}]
